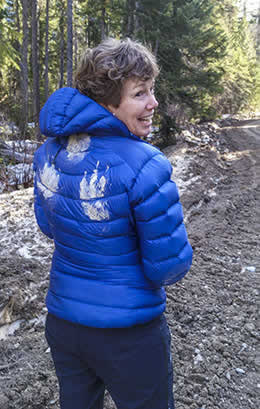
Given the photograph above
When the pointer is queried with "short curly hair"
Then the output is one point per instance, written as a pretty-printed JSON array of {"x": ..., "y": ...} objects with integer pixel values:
[{"x": 104, "y": 69}]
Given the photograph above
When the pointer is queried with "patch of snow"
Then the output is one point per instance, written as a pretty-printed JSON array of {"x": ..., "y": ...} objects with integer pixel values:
[
  {"x": 8, "y": 128},
  {"x": 9, "y": 329},
  {"x": 198, "y": 357},
  {"x": 22, "y": 146},
  {"x": 243, "y": 348},
  {"x": 24, "y": 252},
  {"x": 180, "y": 163},
  {"x": 20, "y": 173},
  {"x": 20, "y": 235},
  {"x": 38, "y": 321},
  {"x": 240, "y": 371},
  {"x": 251, "y": 269},
  {"x": 225, "y": 116}
]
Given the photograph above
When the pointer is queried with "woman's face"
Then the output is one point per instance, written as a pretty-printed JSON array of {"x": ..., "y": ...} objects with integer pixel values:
[{"x": 137, "y": 106}]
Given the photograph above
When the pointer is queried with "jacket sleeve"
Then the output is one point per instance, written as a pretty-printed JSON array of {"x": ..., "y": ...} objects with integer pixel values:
[
  {"x": 39, "y": 208},
  {"x": 165, "y": 250}
]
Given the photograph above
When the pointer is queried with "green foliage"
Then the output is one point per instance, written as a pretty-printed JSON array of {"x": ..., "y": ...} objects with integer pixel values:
[
  {"x": 206, "y": 51},
  {"x": 239, "y": 65},
  {"x": 8, "y": 38},
  {"x": 189, "y": 41}
]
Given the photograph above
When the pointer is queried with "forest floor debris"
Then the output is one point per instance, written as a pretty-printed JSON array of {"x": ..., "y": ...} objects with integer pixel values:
[{"x": 212, "y": 312}]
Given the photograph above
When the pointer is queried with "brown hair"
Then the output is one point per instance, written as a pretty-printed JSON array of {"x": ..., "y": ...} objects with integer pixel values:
[{"x": 104, "y": 69}]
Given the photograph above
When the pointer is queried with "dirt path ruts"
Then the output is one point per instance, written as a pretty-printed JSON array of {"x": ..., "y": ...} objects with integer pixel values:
[{"x": 213, "y": 312}]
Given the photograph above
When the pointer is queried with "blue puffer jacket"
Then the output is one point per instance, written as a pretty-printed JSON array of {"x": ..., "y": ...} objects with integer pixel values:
[{"x": 106, "y": 199}]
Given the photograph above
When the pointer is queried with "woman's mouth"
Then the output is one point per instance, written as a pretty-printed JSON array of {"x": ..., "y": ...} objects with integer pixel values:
[{"x": 147, "y": 119}]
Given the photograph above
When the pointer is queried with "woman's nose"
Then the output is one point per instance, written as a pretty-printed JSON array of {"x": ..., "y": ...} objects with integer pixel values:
[{"x": 152, "y": 103}]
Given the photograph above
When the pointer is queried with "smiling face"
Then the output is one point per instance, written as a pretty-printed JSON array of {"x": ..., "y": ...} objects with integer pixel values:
[{"x": 137, "y": 106}]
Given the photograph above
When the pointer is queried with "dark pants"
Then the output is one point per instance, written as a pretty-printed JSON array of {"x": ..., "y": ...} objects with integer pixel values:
[{"x": 133, "y": 364}]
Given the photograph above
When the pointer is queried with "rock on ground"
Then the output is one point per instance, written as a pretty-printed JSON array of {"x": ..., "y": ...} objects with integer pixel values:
[{"x": 212, "y": 313}]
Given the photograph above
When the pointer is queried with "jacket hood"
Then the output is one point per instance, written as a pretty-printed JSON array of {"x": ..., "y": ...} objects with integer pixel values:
[{"x": 67, "y": 112}]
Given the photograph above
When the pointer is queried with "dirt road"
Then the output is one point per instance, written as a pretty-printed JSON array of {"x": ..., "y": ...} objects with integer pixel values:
[{"x": 212, "y": 312}]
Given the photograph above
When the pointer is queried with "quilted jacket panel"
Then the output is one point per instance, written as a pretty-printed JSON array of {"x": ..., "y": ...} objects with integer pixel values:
[{"x": 107, "y": 200}]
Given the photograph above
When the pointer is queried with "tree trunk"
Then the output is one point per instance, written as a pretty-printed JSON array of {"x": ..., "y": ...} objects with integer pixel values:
[
  {"x": 69, "y": 43},
  {"x": 130, "y": 9},
  {"x": 244, "y": 9},
  {"x": 35, "y": 69},
  {"x": 17, "y": 15},
  {"x": 24, "y": 69},
  {"x": 62, "y": 49},
  {"x": 258, "y": 33},
  {"x": 136, "y": 15},
  {"x": 46, "y": 74},
  {"x": 132, "y": 19},
  {"x": 103, "y": 21},
  {"x": 75, "y": 40},
  {"x": 156, "y": 47},
  {"x": 15, "y": 83},
  {"x": 88, "y": 32}
]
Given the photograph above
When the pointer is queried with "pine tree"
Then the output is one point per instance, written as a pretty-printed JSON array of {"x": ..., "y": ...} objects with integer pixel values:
[
  {"x": 46, "y": 59},
  {"x": 7, "y": 34},
  {"x": 69, "y": 42},
  {"x": 206, "y": 51},
  {"x": 24, "y": 68},
  {"x": 35, "y": 69},
  {"x": 187, "y": 40},
  {"x": 239, "y": 63}
]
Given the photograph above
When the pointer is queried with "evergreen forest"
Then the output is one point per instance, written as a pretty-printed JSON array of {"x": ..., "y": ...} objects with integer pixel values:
[{"x": 208, "y": 52}]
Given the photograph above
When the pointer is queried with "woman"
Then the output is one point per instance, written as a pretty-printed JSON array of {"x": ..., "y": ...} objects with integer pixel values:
[{"x": 106, "y": 199}]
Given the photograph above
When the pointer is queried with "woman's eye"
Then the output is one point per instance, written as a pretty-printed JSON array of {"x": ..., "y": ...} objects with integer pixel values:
[{"x": 142, "y": 92}]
